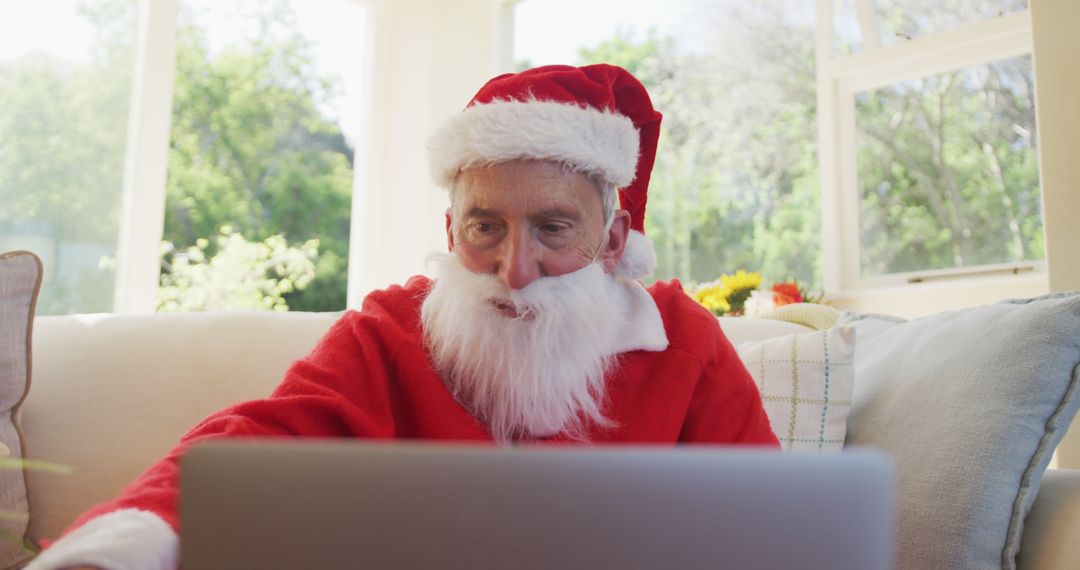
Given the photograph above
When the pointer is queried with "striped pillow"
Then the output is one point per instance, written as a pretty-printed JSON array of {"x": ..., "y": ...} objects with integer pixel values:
[
  {"x": 20, "y": 279},
  {"x": 806, "y": 381}
]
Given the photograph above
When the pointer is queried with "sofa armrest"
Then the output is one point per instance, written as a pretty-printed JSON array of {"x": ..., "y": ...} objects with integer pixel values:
[{"x": 1052, "y": 530}]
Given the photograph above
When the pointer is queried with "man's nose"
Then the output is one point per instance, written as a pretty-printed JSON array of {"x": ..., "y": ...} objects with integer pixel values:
[{"x": 519, "y": 261}]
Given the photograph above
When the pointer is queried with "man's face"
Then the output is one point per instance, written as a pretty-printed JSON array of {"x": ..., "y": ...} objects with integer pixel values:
[
  {"x": 520, "y": 321},
  {"x": 526, "y": 219}
]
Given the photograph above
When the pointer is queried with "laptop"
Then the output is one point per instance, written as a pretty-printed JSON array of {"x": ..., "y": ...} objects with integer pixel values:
[{"x": 344, "y": 504}]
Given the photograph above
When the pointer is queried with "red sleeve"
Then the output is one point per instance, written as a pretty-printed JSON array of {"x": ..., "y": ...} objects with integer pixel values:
[
  {"x": 320, "y": 396},
  {"x": 726, "y": 406}
]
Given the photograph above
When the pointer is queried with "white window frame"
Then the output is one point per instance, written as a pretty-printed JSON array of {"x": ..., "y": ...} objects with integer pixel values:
[
  {"x": 839, "y": 79},
  {"x": 142, "y": 213}
]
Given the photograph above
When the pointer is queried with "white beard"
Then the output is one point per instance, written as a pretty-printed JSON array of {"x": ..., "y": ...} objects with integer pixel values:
[{"x": 532, "y": 375}]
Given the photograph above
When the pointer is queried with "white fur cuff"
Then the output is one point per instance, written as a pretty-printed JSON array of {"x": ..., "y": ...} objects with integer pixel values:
[
  {"x": 596, "y": 142},
  {"x": 128, "y": 539},
  {"x": 639, "y": 257}
]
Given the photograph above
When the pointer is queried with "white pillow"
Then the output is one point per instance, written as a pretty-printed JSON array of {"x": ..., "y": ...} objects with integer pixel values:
[
  {"x": 746, "y": 329},
  {"x": 806, "y": 381}
]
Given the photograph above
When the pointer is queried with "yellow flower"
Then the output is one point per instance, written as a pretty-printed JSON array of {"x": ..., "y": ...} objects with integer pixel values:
[
  {"x": 741, "y": 280},
  {"x": 714, "y": 298}
]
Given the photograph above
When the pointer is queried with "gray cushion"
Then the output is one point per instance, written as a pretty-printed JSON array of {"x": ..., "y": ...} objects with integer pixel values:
[
  {"x": 971, "y": 405},
  {"x": 20, "y": 278}
]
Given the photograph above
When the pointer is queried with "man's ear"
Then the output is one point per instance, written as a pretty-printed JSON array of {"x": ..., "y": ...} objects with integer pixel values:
[
  {"x": 616, "y": 241},
  {"x": 449, "y": 230}
]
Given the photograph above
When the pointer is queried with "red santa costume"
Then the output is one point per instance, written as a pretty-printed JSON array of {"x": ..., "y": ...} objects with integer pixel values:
[{"x": 675, "y": 379}]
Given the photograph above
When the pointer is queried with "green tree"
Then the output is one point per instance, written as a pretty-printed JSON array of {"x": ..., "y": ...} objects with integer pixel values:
[
  {"x": 241, "y": 275},
  {"x": 946, "y": 164},
  {"x": 62, "y": 136},
  {"x": 251, "y": 149},
  {"x": 736, "y": 181},
  {"x": 948, "y": 170}
]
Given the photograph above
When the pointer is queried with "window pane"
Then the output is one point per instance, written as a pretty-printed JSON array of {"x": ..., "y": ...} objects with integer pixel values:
[
  {"x": 948, "y": 172},
  {"x": 847, "y": 36},
  {"x": 65, "y": 80},
  {"x": 899, "y": 20},
  {"x": 261, "y": 151},
  {"x": 735, "y": 183}
]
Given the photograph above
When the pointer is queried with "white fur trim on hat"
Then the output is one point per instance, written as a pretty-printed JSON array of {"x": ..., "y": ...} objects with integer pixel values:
[
  {"x": 596, "y": 142},
  {"x": 639, "y": 257},
  {"x": 127, "y": 539}
]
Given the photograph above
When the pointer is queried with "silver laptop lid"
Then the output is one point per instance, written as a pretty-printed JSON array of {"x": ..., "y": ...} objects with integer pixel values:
[{"x": 320, "y": 504}]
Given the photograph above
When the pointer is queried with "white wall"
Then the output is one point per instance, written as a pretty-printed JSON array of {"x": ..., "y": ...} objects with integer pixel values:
[
  {"x": 429, "y": 58},
  {"x": 920, "y": 299},
  {"x": 1057, "y": 91},
  {"x": 1057, "y": 85}
]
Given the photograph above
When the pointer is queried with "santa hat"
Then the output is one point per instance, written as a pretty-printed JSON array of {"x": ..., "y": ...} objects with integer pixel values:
[{"x": 597, "y": 119}]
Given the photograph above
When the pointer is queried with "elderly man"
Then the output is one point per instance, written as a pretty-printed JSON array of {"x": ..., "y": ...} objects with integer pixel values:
[{"x": 535, "y": 330}]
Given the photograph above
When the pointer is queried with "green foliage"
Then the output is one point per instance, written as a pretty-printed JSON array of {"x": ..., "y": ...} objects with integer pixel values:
[
  {"x": 948, "y": 171},
  {"x": 641, "y": 58},
  {"x": 251, "y": 149},
  {"x": 735, "y": 183},
  {"x": 241, "y": 275},
  {"x": 947, "y": 165},
  {"x": 62, "y": 134}
]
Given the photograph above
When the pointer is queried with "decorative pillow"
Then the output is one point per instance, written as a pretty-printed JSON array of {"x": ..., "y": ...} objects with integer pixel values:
[
  {"x": 813, "y": 315},
  {"x": 970, "y": 404},
  {"x": 20, "y": 278},
  {"x": 806, "y": 381}
]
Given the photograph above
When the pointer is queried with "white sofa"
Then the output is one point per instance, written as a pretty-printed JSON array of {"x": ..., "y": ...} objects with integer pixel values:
[{"x": 112, "y": 393}]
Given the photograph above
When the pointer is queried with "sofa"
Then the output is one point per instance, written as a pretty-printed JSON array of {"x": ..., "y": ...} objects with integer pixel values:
[{"x": 111, "y": 393}]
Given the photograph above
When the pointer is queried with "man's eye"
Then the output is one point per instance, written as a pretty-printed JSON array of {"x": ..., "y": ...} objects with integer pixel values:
[
  {"x": 484, "y": 232},
  {"x": 553, "y": 228}
]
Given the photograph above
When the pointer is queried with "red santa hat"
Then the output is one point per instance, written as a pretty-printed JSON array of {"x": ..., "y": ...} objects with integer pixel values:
[{"x": 597, "y": 119}]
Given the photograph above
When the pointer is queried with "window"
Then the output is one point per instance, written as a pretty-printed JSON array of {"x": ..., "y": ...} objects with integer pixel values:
[
  {"x": 947, "y": 169},
  {"x": 260, "y": 158},
  {"x": 931, "y": 159},
  {"x": 266, "y": 112},
  {"x": 65, "y": 80},
  {"x": 889, "y": 22},
  {"x": 736, "y": 178}
]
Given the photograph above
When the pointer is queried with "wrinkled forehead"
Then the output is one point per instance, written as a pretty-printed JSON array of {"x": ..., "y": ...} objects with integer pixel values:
[{"x": 528, "y": 184}]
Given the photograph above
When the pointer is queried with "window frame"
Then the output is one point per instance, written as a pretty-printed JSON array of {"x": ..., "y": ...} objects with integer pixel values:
[
  {"x": 840, "y": 77},
  {"x": 142, "y": 214},
  {"x": 142, "y": 210}
]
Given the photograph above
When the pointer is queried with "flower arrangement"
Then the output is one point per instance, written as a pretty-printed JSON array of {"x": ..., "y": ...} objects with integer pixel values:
[{"x": 741, "y": 294}]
